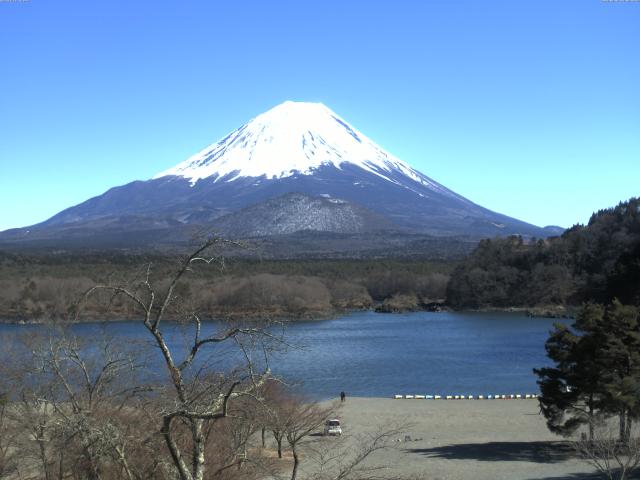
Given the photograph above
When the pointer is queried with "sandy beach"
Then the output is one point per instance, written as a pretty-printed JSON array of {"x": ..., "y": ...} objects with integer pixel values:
[{"x": 466, "y": 439}]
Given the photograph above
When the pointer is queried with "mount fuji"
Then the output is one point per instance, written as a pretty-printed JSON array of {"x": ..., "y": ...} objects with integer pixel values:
[{"x": 298, "y": 167}]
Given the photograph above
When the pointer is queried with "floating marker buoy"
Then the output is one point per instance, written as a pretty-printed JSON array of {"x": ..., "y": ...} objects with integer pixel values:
[{"x": 496, "y": 396}]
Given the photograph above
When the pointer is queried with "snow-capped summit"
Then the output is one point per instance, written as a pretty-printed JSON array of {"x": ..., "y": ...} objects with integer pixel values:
[
  {"x": 296, "y": 167},
  {"x": 291, "y": 138}
]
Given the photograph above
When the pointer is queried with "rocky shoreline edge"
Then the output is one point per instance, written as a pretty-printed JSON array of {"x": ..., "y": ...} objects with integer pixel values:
[{"x": 396, "y": 305}]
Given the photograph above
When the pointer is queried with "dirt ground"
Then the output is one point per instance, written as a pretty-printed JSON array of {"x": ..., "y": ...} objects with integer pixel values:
[{"x": 465, "y": 439}]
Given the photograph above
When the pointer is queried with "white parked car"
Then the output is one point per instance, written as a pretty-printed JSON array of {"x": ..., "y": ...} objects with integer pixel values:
[{"x": 332, "y": 427}]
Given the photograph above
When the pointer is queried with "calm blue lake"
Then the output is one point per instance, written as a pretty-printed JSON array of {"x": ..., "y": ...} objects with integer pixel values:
[{"x": 372, "y": 354}]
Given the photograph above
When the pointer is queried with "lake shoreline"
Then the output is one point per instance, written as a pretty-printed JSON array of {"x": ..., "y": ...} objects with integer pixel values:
[
  {"x": 373, "y": 354},
  {"x": 553, "y": 311}
]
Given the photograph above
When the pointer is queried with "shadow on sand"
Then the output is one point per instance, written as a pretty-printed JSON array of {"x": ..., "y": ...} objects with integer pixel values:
[
  {"x": 585, "y": 476},
  {"x": 575, "y": 476},
  {"x": 539, "y": 452}
]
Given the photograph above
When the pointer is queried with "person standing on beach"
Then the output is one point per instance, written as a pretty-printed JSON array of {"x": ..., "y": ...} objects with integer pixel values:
[{"x": 343, "y": 397}]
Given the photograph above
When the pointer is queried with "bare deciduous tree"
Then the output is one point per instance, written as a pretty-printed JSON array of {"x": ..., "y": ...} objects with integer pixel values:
[
  {"x": 7, "y": 440},
  {"x": 196, "y": 401},
  {"x": 75, "y": 410},
  {"x": 272, "y": 413},
  {"x": 302, "y": 419},
  {"x": 349, "y": 458},
  {"x": 614, "y": 458}
]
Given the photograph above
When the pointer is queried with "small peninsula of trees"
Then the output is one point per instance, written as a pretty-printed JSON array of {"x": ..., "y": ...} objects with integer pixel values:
[{"x": 597, "y": 262}]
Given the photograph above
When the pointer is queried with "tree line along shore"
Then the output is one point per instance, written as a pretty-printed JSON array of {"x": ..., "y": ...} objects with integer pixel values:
[
  {"x": 37, "y": 288},
  {"x": 597, "y": 262}
]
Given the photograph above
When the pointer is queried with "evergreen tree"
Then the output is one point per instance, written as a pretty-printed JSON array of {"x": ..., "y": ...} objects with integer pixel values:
[
  {"x": 621, "y": 369},
  {"x": 571, "y": 391},
  {"x": 597, "y": 262},
  {"x": 596, "y": 372}
]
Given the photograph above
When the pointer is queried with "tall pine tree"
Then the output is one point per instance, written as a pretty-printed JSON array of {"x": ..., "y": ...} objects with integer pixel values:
[
  {"x": 620, "y": 346},
  {"x": 596, "y": 372},
  {"x": 571, "y": 390}
]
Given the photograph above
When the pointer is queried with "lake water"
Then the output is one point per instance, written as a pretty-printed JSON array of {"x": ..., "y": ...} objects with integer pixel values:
[{"x": 373, "y": 354}]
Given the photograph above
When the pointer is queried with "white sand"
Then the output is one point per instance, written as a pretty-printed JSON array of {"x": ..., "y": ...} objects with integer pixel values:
[{"x": 467, "y": 439}]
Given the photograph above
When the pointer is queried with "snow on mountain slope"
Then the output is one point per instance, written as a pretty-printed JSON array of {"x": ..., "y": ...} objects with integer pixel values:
[
  {"x": 266, "y": 178},
  {"x": 294, "y": 138},
  {"x": 295, "y": 212}
]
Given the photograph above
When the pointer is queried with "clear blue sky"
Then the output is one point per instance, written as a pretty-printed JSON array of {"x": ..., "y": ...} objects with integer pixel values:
[{"x": 530, "y": 108}]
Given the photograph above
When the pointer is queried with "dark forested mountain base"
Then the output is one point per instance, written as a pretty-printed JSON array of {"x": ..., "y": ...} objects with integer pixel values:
[
  {"x": 337, "y": 272},
  {"x": 597, "y": 262}
]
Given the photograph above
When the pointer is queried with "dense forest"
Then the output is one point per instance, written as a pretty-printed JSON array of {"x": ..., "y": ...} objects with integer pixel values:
[
  {"x": 597, "y": 262},
  {"x": 42, "y": 288}
]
